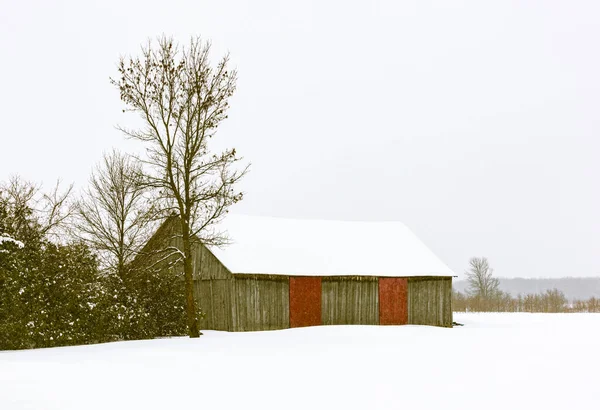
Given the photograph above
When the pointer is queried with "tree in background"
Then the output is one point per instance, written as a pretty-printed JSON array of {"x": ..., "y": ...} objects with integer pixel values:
[
  {"x": 553, "y": 301},
  {"x": 22, "y": 199},
  {"x": 481, "y": 283},
  {"x": 550, "y": 301},
  {"x": 115, "y": 219},
  {"x": 593, "y": 305},
  {"x": 113, "y": 215},
  {"x": 182, "y": 99}
]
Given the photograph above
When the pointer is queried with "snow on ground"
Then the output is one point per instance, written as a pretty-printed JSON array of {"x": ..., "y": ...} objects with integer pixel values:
[{"x": 496, "y": 361}]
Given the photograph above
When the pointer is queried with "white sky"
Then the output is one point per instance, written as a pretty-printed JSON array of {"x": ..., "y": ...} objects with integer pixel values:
[{"x": 475, "y": 123}]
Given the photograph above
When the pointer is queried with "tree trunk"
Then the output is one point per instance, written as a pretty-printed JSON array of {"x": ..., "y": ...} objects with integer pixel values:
[{"x": 192, "y": 320}]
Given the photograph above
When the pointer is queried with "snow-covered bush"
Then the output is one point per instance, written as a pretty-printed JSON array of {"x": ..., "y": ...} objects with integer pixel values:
[
  {"x": 54, "y": 294},
  {"x": 45, "y": 288},
  {"x": 6, "y": 242}
]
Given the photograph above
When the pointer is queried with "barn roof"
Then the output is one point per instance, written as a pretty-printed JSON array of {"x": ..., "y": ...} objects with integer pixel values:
[{"x": 266, "y": 245}]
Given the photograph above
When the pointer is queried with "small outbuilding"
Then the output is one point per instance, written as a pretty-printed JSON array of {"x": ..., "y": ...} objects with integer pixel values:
[{"x": 280, "y": 273}]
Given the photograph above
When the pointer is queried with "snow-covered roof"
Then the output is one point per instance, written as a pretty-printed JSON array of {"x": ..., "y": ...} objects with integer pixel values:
[{"x": 265, "y": 245}]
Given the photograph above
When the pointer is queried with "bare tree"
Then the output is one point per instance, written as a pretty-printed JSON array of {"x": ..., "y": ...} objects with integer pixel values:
[
  {"x": 554, "y": 301},
  {"x": 182, "y": 99},
  {"x": 56, "y": 209},
  {"x": 113, "y": 216},
  {"x": 52, "y": 209},
  {"x": 593, "y": 305},
  {"x": 480, "y": 280}
]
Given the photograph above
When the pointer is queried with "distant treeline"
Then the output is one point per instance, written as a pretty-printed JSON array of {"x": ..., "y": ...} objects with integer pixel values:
[
  {"x": 550, "y": 301},
  {"x": 573, "y": 288},
  {"x": 482, "y": 292}
]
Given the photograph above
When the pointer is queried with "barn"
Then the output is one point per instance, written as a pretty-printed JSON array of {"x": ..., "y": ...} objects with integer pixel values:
[{"x": 279, "y": 273}]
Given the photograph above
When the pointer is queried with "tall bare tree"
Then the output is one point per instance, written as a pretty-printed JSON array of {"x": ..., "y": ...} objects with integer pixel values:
[
  {"x": 182, "y": 99},
  {"x": 481, "y": 282},
  {"x": 113, "y": 216}
]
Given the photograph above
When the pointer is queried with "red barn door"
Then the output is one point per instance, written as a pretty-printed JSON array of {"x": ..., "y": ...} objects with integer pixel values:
[
  {"x": 393, "y": 301},
  {"x": 305, "y": 301}
]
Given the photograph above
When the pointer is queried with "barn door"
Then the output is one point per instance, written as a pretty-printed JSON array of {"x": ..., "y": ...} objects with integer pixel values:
[
  {"x": 305, "y": 301},
  {"x": 393, "y": 301}
]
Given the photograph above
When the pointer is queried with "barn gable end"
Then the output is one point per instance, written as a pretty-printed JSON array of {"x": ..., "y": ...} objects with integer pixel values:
[{"x": 207, "y": 266}]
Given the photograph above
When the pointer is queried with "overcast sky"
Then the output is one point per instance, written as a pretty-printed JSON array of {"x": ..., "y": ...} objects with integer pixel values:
[{"x": 476, "y": 123}]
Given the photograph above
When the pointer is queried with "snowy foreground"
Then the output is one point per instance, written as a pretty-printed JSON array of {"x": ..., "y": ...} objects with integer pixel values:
[{"x": 496, "y": 361}]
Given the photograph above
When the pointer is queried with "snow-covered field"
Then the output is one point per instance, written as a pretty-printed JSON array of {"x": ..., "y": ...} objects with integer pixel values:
[{"x": 496, "y": 361}]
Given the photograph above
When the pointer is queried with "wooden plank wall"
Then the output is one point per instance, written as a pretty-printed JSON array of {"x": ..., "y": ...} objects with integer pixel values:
[
  {"x": 260, "y": 303},
  {"x": 350, "y": 301},
  {"x": 214, "y": 298},
  {"x": 153, "y": 255},
  {"x": 430, "y": 301},
  {"x": 207, "y": 266}
]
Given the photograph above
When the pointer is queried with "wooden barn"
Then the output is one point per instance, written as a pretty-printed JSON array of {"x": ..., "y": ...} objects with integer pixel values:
[{"x": 281, "y": 273}]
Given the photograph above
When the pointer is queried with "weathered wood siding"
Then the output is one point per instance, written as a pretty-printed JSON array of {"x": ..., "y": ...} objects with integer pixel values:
[
  {"x": 430, "y": 301},
  {"x": 264, "y": 302},
  {"x": 155, "y": 255},
  {"x": 260, "y": 302},
  {"x": 207, "y": 266},
  {"x": 350, "y": 301},
  {"x": 213, "y": 287},
  {"x": 214, "y": 298}
]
